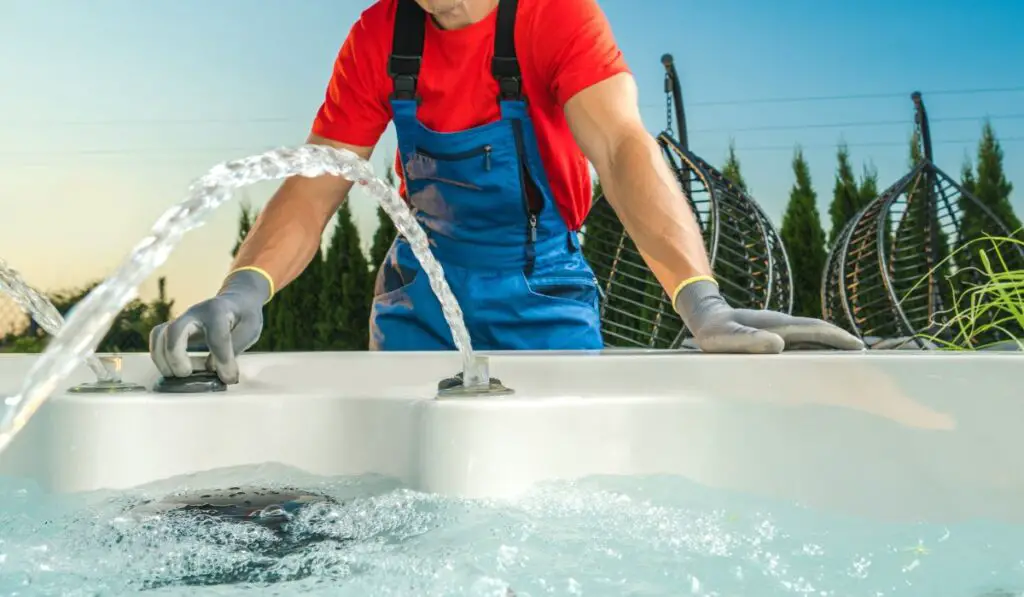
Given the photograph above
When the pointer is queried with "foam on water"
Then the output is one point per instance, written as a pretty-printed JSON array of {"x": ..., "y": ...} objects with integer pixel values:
[
  {"x": 598, "y": 537},
  {"x": 94, "y": 315}
]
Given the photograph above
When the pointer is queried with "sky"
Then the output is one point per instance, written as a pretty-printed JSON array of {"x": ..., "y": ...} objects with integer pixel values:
[{"x": 109, "y": 108}]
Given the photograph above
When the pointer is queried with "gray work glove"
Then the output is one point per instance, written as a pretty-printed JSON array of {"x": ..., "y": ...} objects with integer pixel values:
[
  {"x": 229, "y": 323},
  {"x": 717, "y": 327}
]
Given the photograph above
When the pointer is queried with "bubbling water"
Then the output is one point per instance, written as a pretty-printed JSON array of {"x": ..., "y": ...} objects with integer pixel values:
[
  {"x": 41, "y": 310},
  {"x": 596, "y": 537},
  {"x": 94, "y": 315}
]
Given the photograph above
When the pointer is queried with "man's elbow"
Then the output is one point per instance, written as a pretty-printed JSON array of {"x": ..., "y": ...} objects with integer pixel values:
[
  {"x": 315, "y": 199},
  {"x": 362, "y": 151},
  {"x": 327, "y": 188},
  {"x": 628, "y": 149}
]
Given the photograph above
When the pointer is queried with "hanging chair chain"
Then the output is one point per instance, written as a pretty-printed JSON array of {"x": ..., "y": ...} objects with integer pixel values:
[{"x": 668, "y": 103}]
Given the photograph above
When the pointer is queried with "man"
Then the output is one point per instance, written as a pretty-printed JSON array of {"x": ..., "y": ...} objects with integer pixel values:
[{"x": 498, "y": 105}]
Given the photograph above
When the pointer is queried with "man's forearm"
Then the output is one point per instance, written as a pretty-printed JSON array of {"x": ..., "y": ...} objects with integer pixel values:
[
  {"x": 651, "y": 206},
  {"x": 288, "y": 232}
]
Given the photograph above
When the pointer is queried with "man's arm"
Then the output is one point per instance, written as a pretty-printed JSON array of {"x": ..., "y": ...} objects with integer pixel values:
[
  {"x": 287, "y": 233},
  {"x": 605, "y": 120}
]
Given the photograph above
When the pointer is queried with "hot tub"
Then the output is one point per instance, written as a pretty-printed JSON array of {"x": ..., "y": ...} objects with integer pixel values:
[{"x": 891, "y": 436}]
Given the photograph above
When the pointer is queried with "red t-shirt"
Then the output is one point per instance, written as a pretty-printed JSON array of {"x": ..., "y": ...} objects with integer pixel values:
[{"x": 563, "y": 46}]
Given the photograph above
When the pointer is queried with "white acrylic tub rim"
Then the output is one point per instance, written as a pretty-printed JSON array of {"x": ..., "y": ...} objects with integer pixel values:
[{"x": 904, "y": 434}]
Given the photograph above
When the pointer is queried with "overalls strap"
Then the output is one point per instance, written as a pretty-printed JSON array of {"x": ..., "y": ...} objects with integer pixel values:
[
  {"x": 505, "y": 65},
  {"x": 407, "y": 51}
]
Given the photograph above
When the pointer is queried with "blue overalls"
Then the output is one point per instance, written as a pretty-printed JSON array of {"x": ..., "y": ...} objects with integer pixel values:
[{"x": 483, "y": 199}]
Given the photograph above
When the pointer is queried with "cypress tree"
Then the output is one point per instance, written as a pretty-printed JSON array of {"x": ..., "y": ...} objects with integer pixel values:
[
  {"x": 279, "y": 322},
  {"x": 846, "y": 196},
  {"x": 246, "y": 220},
  {"x": 289, "y": 319},
  {"x": 345, "y": 289},
  {"x": 992, "y": 188},
  {"x": 868, "y": 187},
  {"x": 307, "y": 302},
  {"x": 161, "y": 307},
  {"x": 804, "y": 239},
  {"x": 972, "y": 220},
  {"x": 867, "y": 191},
  {"x": 384, "y": 235},
  {"x": 731, "y": 169},
  {"x": 967, "y": 175},
  {"x": 294, "y": 318}
]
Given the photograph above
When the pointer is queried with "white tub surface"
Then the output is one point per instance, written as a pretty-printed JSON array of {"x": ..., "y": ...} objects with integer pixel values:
[{"x": 887, "y": 435}]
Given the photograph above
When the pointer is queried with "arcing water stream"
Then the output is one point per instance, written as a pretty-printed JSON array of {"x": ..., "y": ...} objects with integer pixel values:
[
  {"x": 94, "y": 315},
  {"x": 40, "y": 309}
]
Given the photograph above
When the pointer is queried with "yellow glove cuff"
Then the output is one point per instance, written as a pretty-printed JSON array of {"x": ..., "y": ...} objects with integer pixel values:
[
  {"x": 262, "y": 272},
  {"x": 687, "y": 282}
]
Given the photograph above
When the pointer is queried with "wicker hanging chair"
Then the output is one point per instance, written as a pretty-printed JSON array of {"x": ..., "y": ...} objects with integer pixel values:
[
  {"x": 889, "y": 280},
  {"x": 746, "y": 252}
]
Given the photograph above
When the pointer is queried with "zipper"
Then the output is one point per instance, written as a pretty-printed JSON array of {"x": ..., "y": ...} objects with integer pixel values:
[
  {"x": 484, "y": 151},
  {"x": 530, "y": 206}
]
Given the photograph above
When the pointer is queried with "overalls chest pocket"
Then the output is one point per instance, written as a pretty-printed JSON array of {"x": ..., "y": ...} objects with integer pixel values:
[{"x": 482, "y": 166}]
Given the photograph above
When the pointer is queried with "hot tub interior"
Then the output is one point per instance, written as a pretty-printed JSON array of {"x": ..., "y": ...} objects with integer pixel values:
[{"x": 621, "y": 473}]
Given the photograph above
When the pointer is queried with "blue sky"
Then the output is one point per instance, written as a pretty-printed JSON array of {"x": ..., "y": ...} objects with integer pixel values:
[{"x": 110, "y": 107}]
